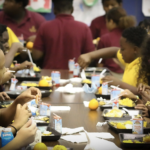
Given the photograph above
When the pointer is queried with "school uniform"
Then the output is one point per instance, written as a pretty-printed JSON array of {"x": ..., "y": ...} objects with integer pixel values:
[
  {"x": 28, "y": 26},
  {"x": 98, "y": 27},
  {"x": 131, "y": 71},
  {"x": 109, "y": 40},
  {"x": 63, "y": 39}
]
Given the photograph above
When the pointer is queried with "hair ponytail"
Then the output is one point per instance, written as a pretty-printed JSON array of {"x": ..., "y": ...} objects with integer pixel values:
[
  {"x": 119, "y": 16},
  {"x": 127, "y": 22}
]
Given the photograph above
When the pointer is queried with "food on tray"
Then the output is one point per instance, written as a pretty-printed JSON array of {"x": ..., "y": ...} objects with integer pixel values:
[
  {"x": 47, "y": 78},
  {"x": 127, "y": 141},
  {"x": 93, "y": 105},
  {"x": 127, "y": 102},
  {"x": 46, "y": 119},
  {"x": 59, "y": 147},
  {"x": 148, "y": 103},
  {"x": 47, "y": 133},
  {"x": 120, "y": 126},
  {"x": 29, "y": 84},
  {"x": 102, "y": 103},
  {"x": 125, "y": 125},
  {"x": 100, "y": 90},
  {"x": 37, "y": 99},
  {"x": 146, "y": 138},
  {"x": 87, "y": 81},
  {"x": 6, "y": 105},
  {"x": 44, "y": 83},
  {"x": 114, "y": 113},
  {"x": 36, "y": 69},
  {"x": 40, "y": 146}
]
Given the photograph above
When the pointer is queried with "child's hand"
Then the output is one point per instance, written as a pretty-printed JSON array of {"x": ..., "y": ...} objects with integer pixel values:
[
  {"x": 7, "y": 76},
  {"x": 25, "y": 65},
  {"x": 4, "y": 96},
  {"x": 22, "y": 115},
  {"x": 142, "y": 87},
  {"x": 128, "y": 94},
  {"x": 144, "y": 110},
  {"x": 84, "y": 60},
  {"x": 28, "y": 95},
  {"x": 114, "y": 80},
  {"x": 26, "y": 134},
  {"x": 145, "y": 96}
]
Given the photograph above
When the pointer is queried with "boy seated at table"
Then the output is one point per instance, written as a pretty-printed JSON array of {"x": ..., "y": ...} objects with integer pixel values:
[
  {"x": 98, "y": 25},
  {"x": 117, "y": 21},
  {"x": 7, "y": 39},
  {"x": 62, "y": 39},
  {"x": 20, "y": 20},
  {"x": 129, "y": 56}
]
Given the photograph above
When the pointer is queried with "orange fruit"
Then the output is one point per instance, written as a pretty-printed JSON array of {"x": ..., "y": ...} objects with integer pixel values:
[
  {"x": 29, "y": 45},
  {"x": 100, "y": 90},
  {"x": 93, "y": 105},
  {"x": 40, "y": 146},
  {"x": 43, "y": 83}
]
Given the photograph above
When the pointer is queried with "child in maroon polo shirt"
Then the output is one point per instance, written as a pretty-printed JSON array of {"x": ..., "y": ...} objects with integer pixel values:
[
  {"x": 20, "y": 20},
  {"x": 116, "y": 21},
  {"x": 98, "y": 25},
  {"x": 62, "y": 39}
]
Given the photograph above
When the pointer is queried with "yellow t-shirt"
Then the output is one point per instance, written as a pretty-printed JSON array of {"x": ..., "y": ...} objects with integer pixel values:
[
  {"x": 131, "y": 71},
  {"x": 12, "y": 38}
]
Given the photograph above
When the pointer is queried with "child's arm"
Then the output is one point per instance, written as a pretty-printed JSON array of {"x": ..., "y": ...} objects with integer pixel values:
[
  {"x": 7, "y": 114},
  {"x": 117, "y": 82},
  {"x": 85, "y": 59},
  {"x": 25, "y": 136}
]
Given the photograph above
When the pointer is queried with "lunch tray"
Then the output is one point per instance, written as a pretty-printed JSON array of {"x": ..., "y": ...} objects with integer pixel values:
[
  {"x": 56, "y": 135},
  {"x": 124, "y": 117},
  {"x": 42, "y": 123},
  {"x": 109, "y": 106},
  {"x": 28, "y": 77},
  {"x": 98, "y": 70},
  {"x": 15, "y": 94},
  {"x": 39, "y": 87},
  {"x": 146, "y": 130},
  {"x": 133, "y": 145},
  {"x": 107, "y": 97},
  {"x": 5, "y": 103}
]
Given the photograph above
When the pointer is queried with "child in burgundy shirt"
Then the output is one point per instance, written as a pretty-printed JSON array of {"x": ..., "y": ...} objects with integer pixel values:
[
  {"x": 62, "y": 39},
  {"x": 98, "y": 25}
]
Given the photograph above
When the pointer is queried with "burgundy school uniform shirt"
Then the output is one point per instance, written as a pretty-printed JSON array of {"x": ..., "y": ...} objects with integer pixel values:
[
  {"x": 98, "y": 27},
  {"x": 108, "y": 40},
  {"x": 28, "y": 26},
  {"x": 63, "y": 39}
]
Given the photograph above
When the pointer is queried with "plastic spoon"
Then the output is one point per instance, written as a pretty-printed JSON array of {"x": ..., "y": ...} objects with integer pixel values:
[
  {"x": 100, "y": 60},
  {"x": 83, "y": 76},
  {"x": 101, "y": 74}
]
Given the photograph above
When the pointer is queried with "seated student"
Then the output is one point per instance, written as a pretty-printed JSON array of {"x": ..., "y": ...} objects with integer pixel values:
[
  {"x": 129, "y": 55},
  {"x": 20, "y": 20},
  {"x": 116, "y": 21},
  {"x": 6, "y": 40},
  {"x": 98, "y": 25},
  {"x": 62, "y": 39}
]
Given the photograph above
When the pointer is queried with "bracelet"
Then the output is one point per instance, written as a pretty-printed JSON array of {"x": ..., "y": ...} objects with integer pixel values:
[{"x": 14, "y": 128}]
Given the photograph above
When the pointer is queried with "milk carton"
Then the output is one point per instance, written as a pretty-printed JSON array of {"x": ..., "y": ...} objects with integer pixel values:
[
  {"x": 137, "y": 126},
  {"x": 45, "y": 109},
  {"x": 57, "y": 123},
  {"x": 105, "y": 89}
]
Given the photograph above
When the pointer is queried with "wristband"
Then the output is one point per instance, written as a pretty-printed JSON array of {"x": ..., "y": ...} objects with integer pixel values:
[{"x": 14, "y": 128}]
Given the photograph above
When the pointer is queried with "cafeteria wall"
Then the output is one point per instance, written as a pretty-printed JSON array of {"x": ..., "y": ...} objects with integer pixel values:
[{"x": 133, "y": 7}]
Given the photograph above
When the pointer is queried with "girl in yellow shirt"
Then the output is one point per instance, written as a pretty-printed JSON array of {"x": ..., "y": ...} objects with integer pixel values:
[{"x": 129, "y": 56}]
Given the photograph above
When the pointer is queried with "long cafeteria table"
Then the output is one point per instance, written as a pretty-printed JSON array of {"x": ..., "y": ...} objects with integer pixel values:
[{"x": 79, "y": 115}]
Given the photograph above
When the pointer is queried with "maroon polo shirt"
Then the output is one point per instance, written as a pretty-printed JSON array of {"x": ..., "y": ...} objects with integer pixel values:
[
  {"x": 63, "y": 39},
  {"x": 28, "y": 26},
  {"x": 108, "y": 40},
  {"x": 98, "y": 27}
]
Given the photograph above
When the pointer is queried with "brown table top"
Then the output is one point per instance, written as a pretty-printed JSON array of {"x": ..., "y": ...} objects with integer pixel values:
[{"x": 79, "y": 115}]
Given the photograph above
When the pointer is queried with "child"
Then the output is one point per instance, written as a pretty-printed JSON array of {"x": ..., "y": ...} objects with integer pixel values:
[
  {"x": 116, "y": 21},
  {"x": 98, "y": 25},
  {"x": 145, "y": 24},
  {"x": 6, "y": 40},
  {"x": 129, "y": 55},
  {"x": 62, "y": 39}
]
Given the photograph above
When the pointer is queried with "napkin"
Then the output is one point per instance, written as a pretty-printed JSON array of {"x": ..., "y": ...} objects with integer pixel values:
[
  {"x": 75, "y": 138},
  {"x": 96, "y": 143},
  {"x": 55, "y": 108},
  {"x": 88, "y": 89},
  {"x": 104, "y": 135},
  {"x": 86, "y": 103},
  {"x": 99, "y": 124},
  {"x": 63, "y": 81},
  {"x": 75, "y": 80},
  {"x": 72, "y": 131}
]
